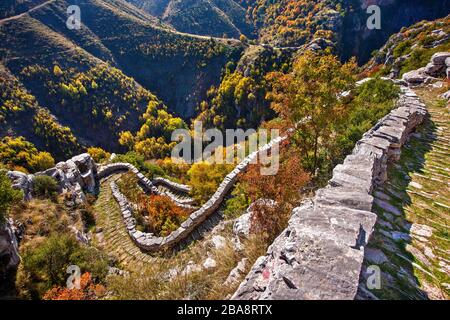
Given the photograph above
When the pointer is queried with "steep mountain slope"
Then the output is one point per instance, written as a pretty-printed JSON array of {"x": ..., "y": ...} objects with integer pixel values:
[
  {"x": 156, "y": 57},
  {"x": 205, "y": 17},
  {"x": 356, "y": 40},
  {"x": 21, "y": 115},
  {"x": 10, "y": 8},
  {"x": 411, "y": 48},
  {"x": 79, "y": 75},
  {"x": 294, "y": 22}
]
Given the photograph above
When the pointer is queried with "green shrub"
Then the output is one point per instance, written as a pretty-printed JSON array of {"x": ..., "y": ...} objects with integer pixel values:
[
  {"x": 139, "y": 162},
  {"x": 373, "y": 100},
  {"x": 402, "y": 49},
  {"x": 45, "y": 186},
  {"x": 236, "y": 205},
  {"x": 8, "y": 195},
  {"x": 45, "y": 266}
]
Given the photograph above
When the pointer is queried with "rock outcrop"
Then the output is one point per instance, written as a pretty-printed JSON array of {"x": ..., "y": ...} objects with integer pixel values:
[
  {"x": 320, "y": 254},
  {"x": 439, "y": 66},
  {"x": 75, "y": 175},
  {"x": 9, "y": 249}
]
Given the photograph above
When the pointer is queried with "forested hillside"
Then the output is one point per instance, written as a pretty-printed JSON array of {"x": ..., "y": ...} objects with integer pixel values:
[{"x": 99, "y": 79}]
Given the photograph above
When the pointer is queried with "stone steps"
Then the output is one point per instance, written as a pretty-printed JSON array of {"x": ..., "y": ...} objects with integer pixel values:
[
  {"x": 425, "y": 201},
  {"x": 117, "y": 242}
]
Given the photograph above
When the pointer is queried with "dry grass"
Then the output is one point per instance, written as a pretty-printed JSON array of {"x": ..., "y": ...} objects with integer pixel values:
[
  {"x": 42, "y": 217},
  {"x": 155, "y": 283}
]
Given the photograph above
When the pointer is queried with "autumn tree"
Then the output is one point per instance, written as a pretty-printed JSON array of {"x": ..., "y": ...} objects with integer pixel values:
[
  {"x": 163, "y": 215},
  {"x": 204, "y": 178},
  {"x": 98, "y": 154},
  {"x": 274, "y": 196},
  {"x": 311, "y": 98}
]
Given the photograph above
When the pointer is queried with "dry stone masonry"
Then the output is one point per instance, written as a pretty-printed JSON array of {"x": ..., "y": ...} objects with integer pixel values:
[
  {"x": 147, "y": 185},
  {"x": 172, "y": 185},
  {"x": 151, "y": 242},
  {"x": 320, "y": 254}
]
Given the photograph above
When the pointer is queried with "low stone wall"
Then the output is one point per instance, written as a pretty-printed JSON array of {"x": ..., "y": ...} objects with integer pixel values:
[
  {"x": 172, "y": 185},
  {"x": 112, "y": 168},
  {"x": 320, "y": 254},
  {"x": 145, "y": 183},
  {"x": 150, "y": 242}
]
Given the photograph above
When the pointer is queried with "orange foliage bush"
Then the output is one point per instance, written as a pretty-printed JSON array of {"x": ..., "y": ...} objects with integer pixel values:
[
  {"x": 163, "y": 216},
  {"x": 270, "y": 217},
  {"x": 87, "y": 291}
]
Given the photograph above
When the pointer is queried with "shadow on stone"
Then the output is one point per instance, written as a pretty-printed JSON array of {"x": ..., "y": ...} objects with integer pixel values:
[{"x": 387, "y": 248}]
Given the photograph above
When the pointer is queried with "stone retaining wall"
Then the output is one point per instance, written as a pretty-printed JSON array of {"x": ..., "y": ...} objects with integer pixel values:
[
  {"x": 150, "y": 242},
  {"x": 320, "y": 254},
  {"x": 147, "y": 185},
  {"x": 172, "y": 185}
]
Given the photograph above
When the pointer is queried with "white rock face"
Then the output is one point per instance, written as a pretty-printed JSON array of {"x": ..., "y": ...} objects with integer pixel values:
[
  {"x": 74, "y": 175},
  {"x": 236, "y": 273},
  {"x": 218, "y": 242},
  {"x": 209, "y": 263},
  {"x": 9, "y": 249}
]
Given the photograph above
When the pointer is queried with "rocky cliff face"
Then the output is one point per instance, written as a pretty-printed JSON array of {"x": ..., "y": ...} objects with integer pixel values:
[
  {"x": 357, "y": 40},
  {"x": 75, "y": 175},
  {"x": 9, "y": 256}
]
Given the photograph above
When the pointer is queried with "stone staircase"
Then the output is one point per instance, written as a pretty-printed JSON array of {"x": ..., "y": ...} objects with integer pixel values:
[
  {"x": 113, "y": 237},
  {"x": 411, "y": 243}
]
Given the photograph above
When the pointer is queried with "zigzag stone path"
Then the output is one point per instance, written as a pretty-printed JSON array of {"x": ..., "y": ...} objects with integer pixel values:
[
  {"x": 114, "y": 237},
  {"x": 197, "y": 219}
]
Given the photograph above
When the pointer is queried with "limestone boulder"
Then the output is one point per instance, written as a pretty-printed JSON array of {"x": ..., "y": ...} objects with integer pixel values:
[
  {"x": 9, "y": 249},
  {"x": 74, "y": 176},
  {"x": 415, "y": 77},
  {"x": 435, "y": 70},
  {"x": 440, "y": 58},
  {"x": 209, "y": 263},
  {"x": 21, "y": 181}
]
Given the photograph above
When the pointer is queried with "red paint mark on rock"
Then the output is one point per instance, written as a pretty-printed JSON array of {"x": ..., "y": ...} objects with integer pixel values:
[{"x": 266, "y": 273}]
